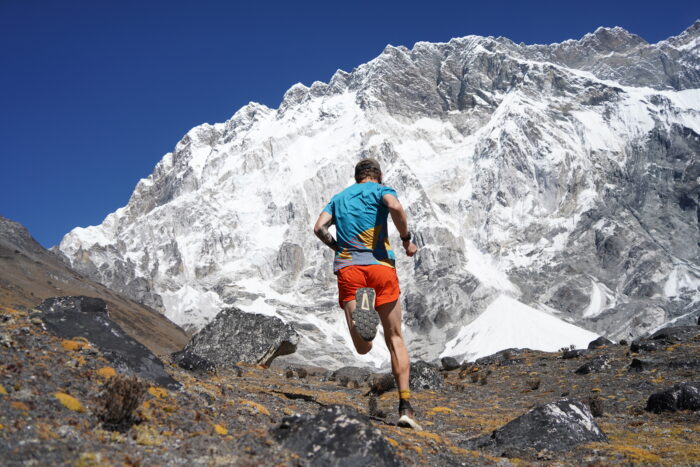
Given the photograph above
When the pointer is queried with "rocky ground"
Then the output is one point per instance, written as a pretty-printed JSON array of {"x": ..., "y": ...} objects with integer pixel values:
[{"x": 56, "y": 394}]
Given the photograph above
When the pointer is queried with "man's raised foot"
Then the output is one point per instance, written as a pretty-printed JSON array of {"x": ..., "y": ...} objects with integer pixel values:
[{"x": 365, "y": 318}]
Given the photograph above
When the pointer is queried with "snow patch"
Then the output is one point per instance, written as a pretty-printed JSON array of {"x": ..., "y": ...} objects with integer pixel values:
[
  {"x": 507, "y": 323},
  {"x": 681, "y": 279},
  {"x": 191, "y": 307}
]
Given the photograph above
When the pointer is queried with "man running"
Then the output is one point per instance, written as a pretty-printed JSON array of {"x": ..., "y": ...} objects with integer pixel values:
[{"x": 364, "y": 264}]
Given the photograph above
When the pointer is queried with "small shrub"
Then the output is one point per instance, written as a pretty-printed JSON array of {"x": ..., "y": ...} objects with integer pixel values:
[
  {"x": 120, "y": 396},
  {"x": 374, "y": 410},
  {"x": 596, "y": 406},
  {"x": 534, "y": 383}
]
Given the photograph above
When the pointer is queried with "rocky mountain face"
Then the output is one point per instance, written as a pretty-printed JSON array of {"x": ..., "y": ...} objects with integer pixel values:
[{"x": 565, "y": 176}]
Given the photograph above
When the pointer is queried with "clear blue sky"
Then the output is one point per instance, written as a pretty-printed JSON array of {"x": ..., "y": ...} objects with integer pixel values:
[{"x": 93, "y": 93}]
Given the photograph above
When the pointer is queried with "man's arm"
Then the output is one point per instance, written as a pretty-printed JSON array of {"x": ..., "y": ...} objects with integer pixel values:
[
  {"x": 321, "y": 230},
  {"x": 398, "y": 215}
]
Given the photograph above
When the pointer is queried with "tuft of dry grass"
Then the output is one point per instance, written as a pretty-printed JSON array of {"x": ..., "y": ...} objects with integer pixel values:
[{"x": 120, "y": 396}]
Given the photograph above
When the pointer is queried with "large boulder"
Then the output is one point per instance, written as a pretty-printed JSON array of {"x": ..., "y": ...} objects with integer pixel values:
[
  {"x": 679, "y": 363},
  {"x": 449, "y": 363},
  {"x": 682, "y": 396},
  {"x": 70, "y": 317},
  {"x": 335, "y": 436},
  {"x": 599, "y": 342},
  {"x": 558, "y": 426},
  {"x": 665, "y": 337},
  {"x": 235, "y": 336},
  {"x": 674, "y": 334}
]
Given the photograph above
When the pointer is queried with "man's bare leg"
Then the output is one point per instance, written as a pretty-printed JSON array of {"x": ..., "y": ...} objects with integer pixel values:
[
  {"x": 390, "y": 316},
  {"x": 361, "y": 345}
]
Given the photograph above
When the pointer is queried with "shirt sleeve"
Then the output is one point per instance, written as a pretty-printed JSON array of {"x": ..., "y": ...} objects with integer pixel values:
[
  {"x": 387, "y": 190},
  {"x": 329, "y": 208}
]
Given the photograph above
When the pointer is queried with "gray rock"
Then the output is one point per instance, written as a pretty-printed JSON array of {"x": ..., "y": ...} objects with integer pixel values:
[
  {"x": 87, "y": 317},
  {"x": 596, "y": 365},
  {"x": 449, "y": 363},
  {"x": 235, "y": 336},
  {"x": 639, "y": 365},
  {"x": 665, "y": 337},
  {"x": 351, "y": 373},
  {"x": 677, "y": 363},
  {"x": 192, "y": 362},
  {"x": 647, "y": 345},
  {"x": 380, "y": 383},
  {"x": 557, "y": 426},
  {"x": 599, "y": 342},
  {"x": 682, "y": 396},
  {"x": 425, "y": 376},
  {"x": 502, "y": 358},
  {"x": 676, "y": 334},
  {"x": 335, "y": 436}
]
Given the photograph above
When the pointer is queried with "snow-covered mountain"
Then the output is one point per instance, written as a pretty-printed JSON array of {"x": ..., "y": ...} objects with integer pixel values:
[{"x": 564, "y": 176}]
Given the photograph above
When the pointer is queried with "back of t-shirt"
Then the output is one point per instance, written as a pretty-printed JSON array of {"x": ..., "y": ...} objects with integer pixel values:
[{"x": 360, "y": 218}]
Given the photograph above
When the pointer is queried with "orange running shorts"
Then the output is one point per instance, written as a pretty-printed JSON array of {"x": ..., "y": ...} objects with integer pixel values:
[{"x": 381, "y": 278}]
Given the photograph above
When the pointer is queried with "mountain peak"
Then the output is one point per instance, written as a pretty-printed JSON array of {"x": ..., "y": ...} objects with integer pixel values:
[
  {"x": 611, "y": 38},
  {"x": 687, "y": 40}
]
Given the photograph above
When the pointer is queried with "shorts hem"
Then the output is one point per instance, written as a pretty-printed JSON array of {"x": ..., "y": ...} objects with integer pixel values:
[{"x": 386, "y": 300}]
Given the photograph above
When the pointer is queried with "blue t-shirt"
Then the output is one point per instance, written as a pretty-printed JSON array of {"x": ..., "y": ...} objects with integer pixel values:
[{"x": 360, "y": 216}]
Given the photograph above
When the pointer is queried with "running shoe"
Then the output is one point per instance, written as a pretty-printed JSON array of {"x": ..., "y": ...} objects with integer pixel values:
[
  {"x": 407, "y": 417},
  {"x": 365, "y": 318}
]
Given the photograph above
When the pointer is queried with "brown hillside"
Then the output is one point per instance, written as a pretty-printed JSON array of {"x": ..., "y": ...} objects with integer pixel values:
[{"x": 29, "y": 274}]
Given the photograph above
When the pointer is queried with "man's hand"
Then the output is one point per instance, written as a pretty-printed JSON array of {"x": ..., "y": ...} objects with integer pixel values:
[
  {"x": 410, "y": 248},
  {"x": 321, "y": 230}
]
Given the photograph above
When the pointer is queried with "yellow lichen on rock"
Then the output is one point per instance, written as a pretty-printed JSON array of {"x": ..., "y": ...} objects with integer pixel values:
[
  {"x": 445, "y": 410},
  {"x": 12, "y": 311},
  {"x": 393, "y": 442},
  {"x": 90, "y": 459},
  {"x": 20, "y": 406},
  {"x": 261, "y": 408},
  {"x": 74, "y": 344},
  {"x": 635, "y": 454},
  {"x": 107, "y": 372},
  {"x": 69, "y": 402},
  {"x": 160, "y": 393},
  {"x": 80, "y": 361},
  {"x": 148, "y": 436},
  {"x": 427, "y": 434},
  {"x": 220, "y": 429},
  {"x": 3, "y": 391}
]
